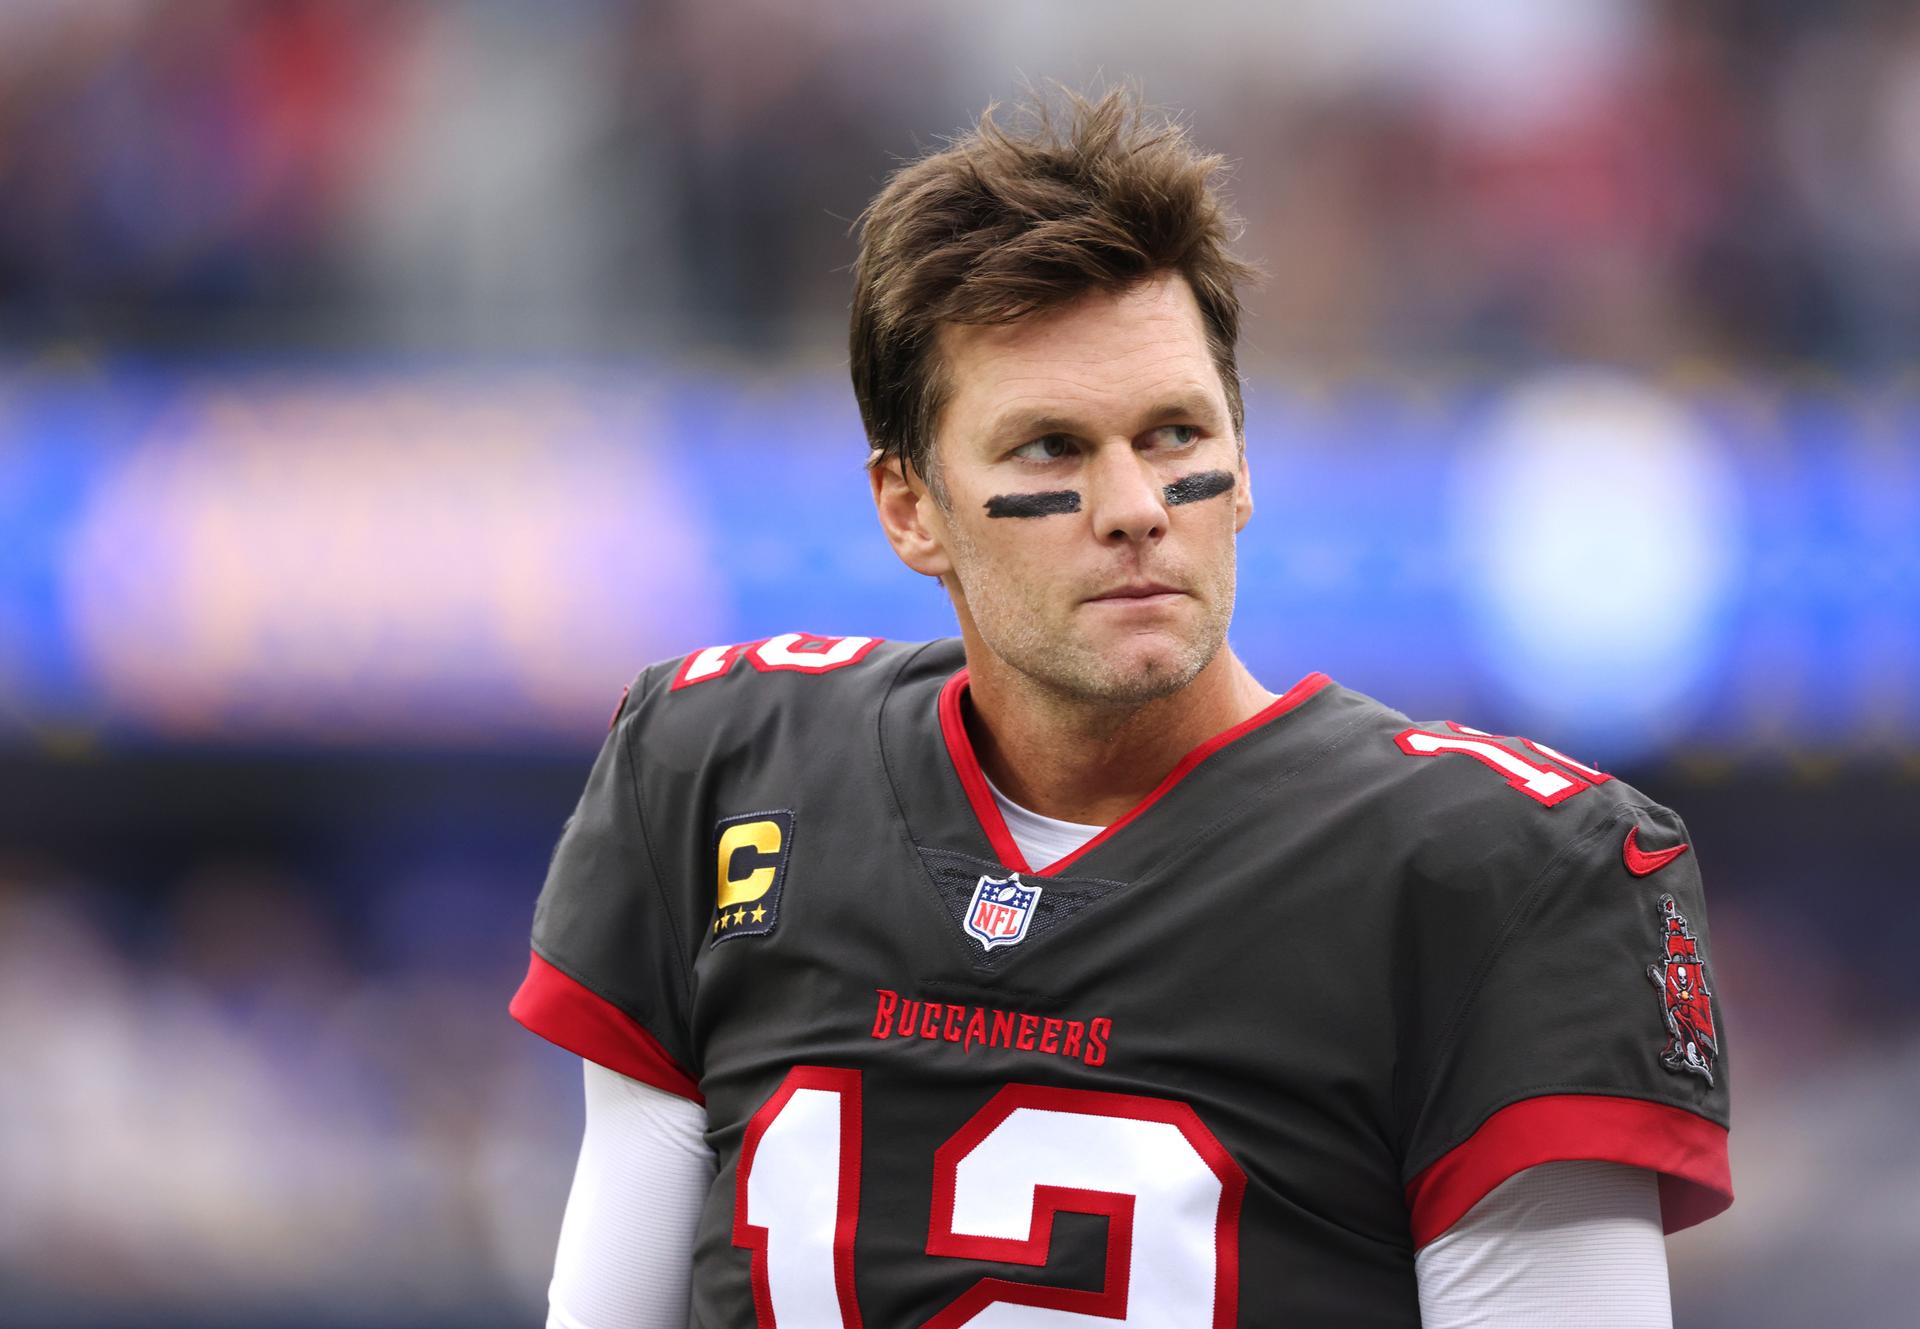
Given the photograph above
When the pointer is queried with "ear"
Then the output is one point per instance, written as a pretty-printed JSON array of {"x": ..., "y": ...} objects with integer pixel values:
[
  {"x": 912, "y": 520},
  {"x": 1242, "y": 494}
]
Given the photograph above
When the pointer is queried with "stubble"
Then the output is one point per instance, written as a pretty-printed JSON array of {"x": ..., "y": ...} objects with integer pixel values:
[{"x": 1043, "y": 636}]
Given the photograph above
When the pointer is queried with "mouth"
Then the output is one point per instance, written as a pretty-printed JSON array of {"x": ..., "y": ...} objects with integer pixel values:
[{"x": 1139, "y": 592}]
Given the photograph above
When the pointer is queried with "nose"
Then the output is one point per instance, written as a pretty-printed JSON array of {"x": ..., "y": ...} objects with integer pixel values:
[{"x": 1124, "y": 496}]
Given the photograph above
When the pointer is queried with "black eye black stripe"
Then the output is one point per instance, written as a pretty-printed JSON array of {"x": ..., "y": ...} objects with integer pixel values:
[
  {"x": 1051, "y": 503},
  {"x": 1200, "y": 485},
  {"x": 1054, "y": 502}
]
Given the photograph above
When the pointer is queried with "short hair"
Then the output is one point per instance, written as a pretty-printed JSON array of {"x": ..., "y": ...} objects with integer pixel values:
[{"x": 1001, "y": 224}]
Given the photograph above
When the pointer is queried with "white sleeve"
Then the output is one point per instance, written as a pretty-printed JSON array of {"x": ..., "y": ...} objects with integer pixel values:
[
  {"x": 626, "y": 1242},
  {"x": 1559, "y": 1246}
]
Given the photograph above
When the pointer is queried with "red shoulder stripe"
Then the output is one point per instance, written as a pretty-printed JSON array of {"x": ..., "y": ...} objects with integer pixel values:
[
  {"x": 1688, "y": 1151},
  {"x": 564, "y": 1011}
]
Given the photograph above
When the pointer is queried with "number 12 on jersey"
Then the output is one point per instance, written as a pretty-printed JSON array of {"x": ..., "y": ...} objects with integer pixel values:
[{"x": 1168, "y": 1190}]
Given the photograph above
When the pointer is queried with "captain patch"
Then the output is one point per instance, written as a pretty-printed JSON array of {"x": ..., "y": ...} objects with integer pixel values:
[{"x": 751, "y": 868}]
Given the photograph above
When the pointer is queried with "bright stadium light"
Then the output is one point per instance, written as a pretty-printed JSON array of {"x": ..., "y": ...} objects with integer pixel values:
[{"x": 1596, "y": 527}]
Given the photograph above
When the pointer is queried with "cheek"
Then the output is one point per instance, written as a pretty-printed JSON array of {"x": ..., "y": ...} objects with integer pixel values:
[
  {"x": 1013, "y": 566},
  {"x": 1213, "y": 545}
]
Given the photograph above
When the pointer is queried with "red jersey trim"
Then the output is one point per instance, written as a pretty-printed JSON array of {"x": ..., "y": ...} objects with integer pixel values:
[
  {"x": 1688, "y": 1151},
  {"x": 564, "y": 1011},
  {"x": 966, "y": 764}
]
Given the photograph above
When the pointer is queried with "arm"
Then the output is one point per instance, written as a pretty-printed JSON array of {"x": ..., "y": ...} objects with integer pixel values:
[
  {"x": 1576, "y": 1245},
  {"x": 609, "y": 978},
  {"x": 626, "y": 1242},
  {"x": 1533, "y": 1033}
]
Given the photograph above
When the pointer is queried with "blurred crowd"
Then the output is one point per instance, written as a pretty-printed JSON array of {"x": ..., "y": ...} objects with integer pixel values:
[
  {"x": 224, "y": 1103},
  {"x": 1650, "y": 182}
]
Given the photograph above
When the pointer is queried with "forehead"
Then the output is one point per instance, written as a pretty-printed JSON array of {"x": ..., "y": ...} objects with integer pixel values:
[{"x": 1099, "y": 359}]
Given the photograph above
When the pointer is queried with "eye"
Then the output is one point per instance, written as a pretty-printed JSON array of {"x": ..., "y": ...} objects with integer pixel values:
[
  {"x": 1179, "y": 436},
  {"x": 1048, "y": 447}
]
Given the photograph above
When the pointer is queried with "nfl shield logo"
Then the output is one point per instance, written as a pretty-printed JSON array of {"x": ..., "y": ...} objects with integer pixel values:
[{"x": 1000, "y": 910}]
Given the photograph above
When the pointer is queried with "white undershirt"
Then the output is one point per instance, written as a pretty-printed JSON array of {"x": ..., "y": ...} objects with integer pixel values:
[
  {"x": 625, "y": 1259},
  {"x": 1042, "y": 840},
  {"x": 1561, "y": 1246}
]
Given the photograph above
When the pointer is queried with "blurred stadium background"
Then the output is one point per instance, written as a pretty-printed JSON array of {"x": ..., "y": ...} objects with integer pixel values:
[{"x": 382, "y": 383}]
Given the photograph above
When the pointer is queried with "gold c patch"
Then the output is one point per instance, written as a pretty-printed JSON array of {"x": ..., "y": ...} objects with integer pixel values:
[{"x": 751, "y": 866}]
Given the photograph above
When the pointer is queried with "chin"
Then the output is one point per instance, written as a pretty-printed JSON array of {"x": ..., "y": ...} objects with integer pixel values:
[{"x": 1136, "y": 676}]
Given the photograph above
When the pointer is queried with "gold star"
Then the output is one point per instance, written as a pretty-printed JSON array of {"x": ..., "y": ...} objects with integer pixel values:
[
  {"x": 719, "y": 922},
  {"x": 739, "y": 917},
  {"x": 759, "y": 913}
]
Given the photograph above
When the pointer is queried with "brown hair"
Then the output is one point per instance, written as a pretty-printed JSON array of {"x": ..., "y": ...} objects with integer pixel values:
[{"x": 1002, "y": 224}]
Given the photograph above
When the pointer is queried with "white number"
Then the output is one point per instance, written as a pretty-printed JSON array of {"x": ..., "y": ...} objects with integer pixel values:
[
  {"x": 1170, "y": 1193},
  {"x": 1541, "y": 782},
  {"x": 1555, "y": 754},
  {"x": 802, "y": 652},
  {"x": 811, "y": 655},
  {"x": 796, "y": 1201},
  {"x": 1579, "y": 768}
]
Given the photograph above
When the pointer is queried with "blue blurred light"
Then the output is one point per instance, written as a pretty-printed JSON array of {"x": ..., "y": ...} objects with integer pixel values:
[
  {"x": 1598, "y": 537},
  {"x": 391, "y": 554}
]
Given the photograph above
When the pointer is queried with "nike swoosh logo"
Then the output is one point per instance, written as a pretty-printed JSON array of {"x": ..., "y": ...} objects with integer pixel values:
[{"x": 1641, "y": 862}]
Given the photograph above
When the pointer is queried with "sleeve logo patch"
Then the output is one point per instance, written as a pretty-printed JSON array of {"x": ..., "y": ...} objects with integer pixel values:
[
  {"x": 752, "y": 852},
  {"x": 1681, "y": 976},
  {"x": 1000, "y": 910}
]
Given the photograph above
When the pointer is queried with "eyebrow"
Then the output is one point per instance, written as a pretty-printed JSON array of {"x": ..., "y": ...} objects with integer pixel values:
[{"x": 1022, "y": 424}]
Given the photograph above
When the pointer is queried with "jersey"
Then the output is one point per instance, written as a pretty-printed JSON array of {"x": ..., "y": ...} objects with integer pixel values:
[{"x": 1233, "y": 1062}]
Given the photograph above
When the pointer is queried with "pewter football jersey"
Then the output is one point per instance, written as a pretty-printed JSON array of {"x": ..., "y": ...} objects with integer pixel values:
[{"x": 1231, "y": 1063}]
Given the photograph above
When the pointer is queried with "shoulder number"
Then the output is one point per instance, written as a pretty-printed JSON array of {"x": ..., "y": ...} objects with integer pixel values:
[
  {"x": 1521, "y": 761},
  {"x": 797, "y": 652}
]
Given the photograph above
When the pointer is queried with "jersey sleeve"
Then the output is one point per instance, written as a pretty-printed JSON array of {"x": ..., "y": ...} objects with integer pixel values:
[
  {"x": 609, "y": 976},
  {"x": 1588, "y": 1030}
]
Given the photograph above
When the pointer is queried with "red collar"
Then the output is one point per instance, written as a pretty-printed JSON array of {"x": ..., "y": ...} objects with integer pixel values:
[{"x": 953, "y": 727}]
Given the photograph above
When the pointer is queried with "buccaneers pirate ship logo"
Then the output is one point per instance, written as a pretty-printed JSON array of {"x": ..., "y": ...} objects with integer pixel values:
[{"x": 1681, "y": 977}]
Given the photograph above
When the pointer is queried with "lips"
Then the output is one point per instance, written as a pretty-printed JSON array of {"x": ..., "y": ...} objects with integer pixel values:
[{"x": 1143, "y": 590}]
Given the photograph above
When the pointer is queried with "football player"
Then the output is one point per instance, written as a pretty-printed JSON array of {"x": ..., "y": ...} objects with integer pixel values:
[{"x": 1063, "y": 973}]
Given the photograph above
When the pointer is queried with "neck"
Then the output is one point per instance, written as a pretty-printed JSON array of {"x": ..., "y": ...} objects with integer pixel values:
[{"x": 1092, "y": 762}]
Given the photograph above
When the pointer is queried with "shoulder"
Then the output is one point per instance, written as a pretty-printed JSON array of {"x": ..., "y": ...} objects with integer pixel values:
[
  {"x": 802, "y": 688},
  {"x": 1472, "y": 810}
]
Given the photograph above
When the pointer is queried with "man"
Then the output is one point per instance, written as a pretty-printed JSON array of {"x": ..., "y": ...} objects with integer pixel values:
[{"x": 1064, "y": 973}]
